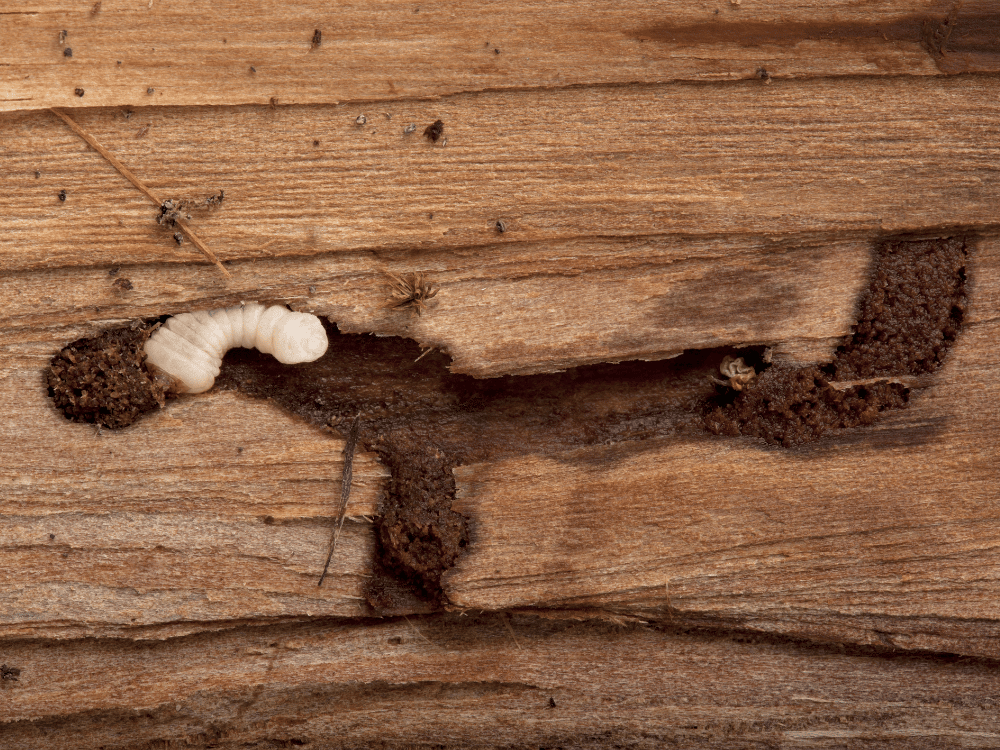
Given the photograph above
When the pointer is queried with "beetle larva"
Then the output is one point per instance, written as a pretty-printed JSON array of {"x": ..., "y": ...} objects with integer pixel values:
[{"x": 189, "y": 347}]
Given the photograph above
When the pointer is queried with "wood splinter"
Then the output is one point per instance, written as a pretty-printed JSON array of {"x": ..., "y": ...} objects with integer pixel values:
[{"x": 345, "y": 490}]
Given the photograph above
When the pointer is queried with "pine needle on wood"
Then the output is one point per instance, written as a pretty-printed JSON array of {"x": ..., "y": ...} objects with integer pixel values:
[
  {"x": 345, "y": 490},
  {"x": 128, "y": 175}
]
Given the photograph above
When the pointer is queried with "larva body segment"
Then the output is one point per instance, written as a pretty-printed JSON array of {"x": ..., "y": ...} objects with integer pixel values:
[
  {"x": 265, "y": 328},
  {"x": 210, "y": 331},
  {"x": 221, "y": 318},
  {"x": 251, "y": 316},
  {"x": 187, "y": 327},
  {"x": 236, "y": 315},
  {"x": 189, "y": 347}
]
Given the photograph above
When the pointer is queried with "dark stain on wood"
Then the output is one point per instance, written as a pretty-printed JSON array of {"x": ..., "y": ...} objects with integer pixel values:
[
  {"x": 961, "y": 36},
  {"x": 966, "y": 39},
  {"x": 771, "y": 299},
  {"x": 422, "y": 421}
]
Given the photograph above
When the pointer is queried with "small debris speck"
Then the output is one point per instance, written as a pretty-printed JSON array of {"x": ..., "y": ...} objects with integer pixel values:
[
  {"x": 239, "y": 449},
  {"x": 9, "y": 673},
  {"x": 317, "y": 38},
  {"x": 62, "y": 36},
  {"x": 114, "y": 271},
  {"x": 62, "y": 195},
  {"x": 52, "y": 537},
  {"x": 552, "y": 702},
  {"x": 315, "y": 143},
  {"x": 434, "y": 130},
  {"x": 78, "y": 92},
  {"x": 96, "y": 9},
  {"x": 501, "y": 227},
  {"x": 274, "y": 102},
  {"x": 496, "y": 50},
  {"x": 312, "y": 290},
  {"x": 178, "y": 238},
  {"x": 411, "y": 291},
  {"x": 150, "y": 90},
  {"x": 170, "y": 211},
  {"x": 361, "y": 120},
  {"x": 68, "y": 52},
  {"x": 253, "y": 69},
  {"x": 38, "y": 173},
  {"x": 411, "y": 128},
  {"x": 123, "y": 285}
]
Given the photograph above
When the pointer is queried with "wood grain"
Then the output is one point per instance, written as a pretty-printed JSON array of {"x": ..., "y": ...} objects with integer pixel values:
[
  {"x": 480, "y": 682},
  {"x": 228, "y": 52},
  {"x": 884, "y": 536},
  {"x": 215, "y": 509},
  {"x": 671, "y": 175},
  {"x": 512, "y": 313},
  {"x": 680, "y": 160}
]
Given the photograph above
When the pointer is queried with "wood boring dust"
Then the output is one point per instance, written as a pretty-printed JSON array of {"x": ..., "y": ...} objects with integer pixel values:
[
  {"x": 908, "y": 318},
  {"x": 423, "y": 420}
]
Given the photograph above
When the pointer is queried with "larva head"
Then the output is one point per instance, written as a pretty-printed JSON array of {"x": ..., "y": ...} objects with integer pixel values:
[{"x": 298, "y": 337}]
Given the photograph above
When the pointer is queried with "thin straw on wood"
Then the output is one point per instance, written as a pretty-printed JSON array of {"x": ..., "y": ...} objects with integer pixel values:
[
  {"x": 128, "y": 175},
  {"x": 345, "y": 490}
]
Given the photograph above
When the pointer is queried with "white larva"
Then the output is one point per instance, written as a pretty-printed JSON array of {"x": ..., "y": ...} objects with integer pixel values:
[{"x": 189, "y": 347}]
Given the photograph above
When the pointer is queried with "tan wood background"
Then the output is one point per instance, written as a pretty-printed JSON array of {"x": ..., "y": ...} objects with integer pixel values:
[{"x": 660, "y": 193}]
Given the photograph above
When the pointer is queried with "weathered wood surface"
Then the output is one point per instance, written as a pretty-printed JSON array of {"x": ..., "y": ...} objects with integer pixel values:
[
  {"x": 883, "y": 536},
  {"x": 653, "y": 203},
  {"x": 213, "y": 510},
  {"x": 196, "y": 54},
  {"x": 638, "y": 188},
  {"x": 828, "y": 157},
  {"x": 480, "y": 682},
  {"x": 542, "y": 314}
]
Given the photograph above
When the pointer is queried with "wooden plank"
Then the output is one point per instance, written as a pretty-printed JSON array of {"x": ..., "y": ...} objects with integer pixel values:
[
  {"x": 149, "y": 501},
  {"x": 217, "y": 508},
  {"x": 516, "y": 312},
  {"x": 652, "y": 202},
  {"x": 885, "y": 535},
  {"x": 486, "y": 682},
  {"x": 834, "y": 158},
  {"x": 228, "y": 53}
]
